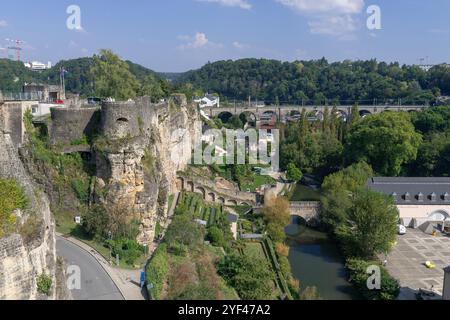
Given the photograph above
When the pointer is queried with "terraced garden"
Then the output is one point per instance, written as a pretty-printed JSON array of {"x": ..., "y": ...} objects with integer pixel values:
[{"x": 194, "y": 204}]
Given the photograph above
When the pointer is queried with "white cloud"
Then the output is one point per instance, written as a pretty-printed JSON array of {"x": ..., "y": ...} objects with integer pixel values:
[
  {"x": 328, "y": 17},
  {"x": 199, "y": 40},
  {"x": 321, "y": 6},
  {"x": 240, "y": 46},
  {"x": 243, "y": 4},
  {"x": 3, "y": 23}
]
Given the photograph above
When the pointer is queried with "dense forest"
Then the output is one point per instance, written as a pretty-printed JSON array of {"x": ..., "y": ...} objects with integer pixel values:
[
  {"x": 320, "y": 82},
  {"x": 79, "y": 78},
  {"x": 271, "y": 81}
]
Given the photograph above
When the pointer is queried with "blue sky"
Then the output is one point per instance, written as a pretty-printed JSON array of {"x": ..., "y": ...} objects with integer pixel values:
[{"x": 178, "y": 35}]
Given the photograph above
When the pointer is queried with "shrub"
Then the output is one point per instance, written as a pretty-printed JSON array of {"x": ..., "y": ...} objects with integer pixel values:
[
  {"x": 157, "y": 271},
  {"x": 390, "y": 287},
  {"x": 127, "y": 249},
  {"x": 12, "y": 197},
  {"x": 310, "y": 294},
  {"x": 216, "y": 236},
  {"x": 250, "y": 276},
  {"x": 44, "y": 284},
  {"x": 81, "y": 189}
]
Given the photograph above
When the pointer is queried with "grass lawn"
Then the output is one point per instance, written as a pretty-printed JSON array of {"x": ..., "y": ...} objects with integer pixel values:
[
  {"x": 255, "y": 182},
  {"x": 304, "y": 193},
  {"x": 254, "y": 249}
]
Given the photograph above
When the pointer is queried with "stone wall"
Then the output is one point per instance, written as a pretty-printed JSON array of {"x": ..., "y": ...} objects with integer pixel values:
[
  {"x": 69, "y": 124},
  {"x": 11, "y": 119},
  {"x": 22, "y": 260}
]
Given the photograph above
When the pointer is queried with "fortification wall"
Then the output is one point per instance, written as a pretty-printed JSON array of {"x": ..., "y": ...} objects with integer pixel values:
[
  {"x": 69, "y": 124},
  {"x": 11, "y": 119}
]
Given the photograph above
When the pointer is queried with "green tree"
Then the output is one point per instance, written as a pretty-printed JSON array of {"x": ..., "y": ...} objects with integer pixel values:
[
  {"x": 337, "y": 189},
  {"x": 113, "y": 77},
  {"x": 250, "y": 276},
  {"x": 216, "y": 236},
  {"x": 152, "y": 87},
  {"x": 184, "y": 233},
  {"x": 294, "y": 173},
  {"x": 370, "y": 227},
  {"x": 386, "y": 141}
]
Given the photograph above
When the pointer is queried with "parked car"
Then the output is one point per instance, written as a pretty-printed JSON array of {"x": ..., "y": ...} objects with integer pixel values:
[{"x": 401, "y": 230}]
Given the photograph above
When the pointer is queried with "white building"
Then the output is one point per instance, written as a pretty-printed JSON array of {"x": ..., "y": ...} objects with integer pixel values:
[
  {"x": 209, "y": 101},
  {"x": 419, "y": 200},
  {"x": 38, "y": 66},
  {"x": 43, "y": 109}
]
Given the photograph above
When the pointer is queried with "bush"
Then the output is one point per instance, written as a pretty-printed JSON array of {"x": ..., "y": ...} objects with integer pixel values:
[
  {"x": 81, "y": 189},
  {"x": 157, "y": 271},
  {"x": 12, "y": 197},
  {"x": 44, "y": 284},
  {"x": 390, "y": 287},
  {"x": 216, "y": 236},
  {"x": 250, "y": 276},
  {"x": 127, "y": 249}
]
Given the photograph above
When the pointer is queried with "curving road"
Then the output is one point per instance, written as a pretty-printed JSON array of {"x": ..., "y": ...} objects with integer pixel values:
[{"x": 95, "y": 282}]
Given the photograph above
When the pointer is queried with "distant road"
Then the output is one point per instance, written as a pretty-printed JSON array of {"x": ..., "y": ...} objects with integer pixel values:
[{"x": 95, "y": 282}]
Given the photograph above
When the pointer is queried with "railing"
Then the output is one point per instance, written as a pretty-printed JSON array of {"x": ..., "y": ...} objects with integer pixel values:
[{"x": 22, "y": 96}]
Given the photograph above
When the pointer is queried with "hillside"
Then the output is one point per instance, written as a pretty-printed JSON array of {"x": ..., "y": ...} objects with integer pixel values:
[
  {"x": 14, "y": 74},
  {"x": 316, "y": 81}
]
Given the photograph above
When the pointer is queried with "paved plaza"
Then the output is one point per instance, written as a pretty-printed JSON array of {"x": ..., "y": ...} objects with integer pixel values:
[{"x": 406, "y": 262}]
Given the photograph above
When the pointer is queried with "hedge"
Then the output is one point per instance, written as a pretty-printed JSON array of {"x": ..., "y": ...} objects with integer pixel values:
[
  {"x": 357, "y": 269},
  {"x": 157, "y": 271}
]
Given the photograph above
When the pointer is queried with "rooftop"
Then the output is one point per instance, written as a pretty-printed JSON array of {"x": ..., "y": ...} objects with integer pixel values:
[{"x": 414, "y": 191}]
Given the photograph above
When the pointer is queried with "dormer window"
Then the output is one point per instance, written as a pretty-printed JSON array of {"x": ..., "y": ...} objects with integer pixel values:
[
  {"x": 407, "y": 196},
  {"x": 394, "y": 195},
  {"x": 446, "y": 196},
  {"x": 433, "y": 197},
  {"x": 420, "y": 197}
]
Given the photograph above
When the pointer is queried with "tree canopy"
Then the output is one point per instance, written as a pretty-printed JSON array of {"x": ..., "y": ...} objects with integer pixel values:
[
  {"x": 386, "y": 141},
  {"x": 319, "y": 81}
]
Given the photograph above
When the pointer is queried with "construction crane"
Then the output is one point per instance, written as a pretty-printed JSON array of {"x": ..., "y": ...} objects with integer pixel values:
[{"x": 17, "y": 47}]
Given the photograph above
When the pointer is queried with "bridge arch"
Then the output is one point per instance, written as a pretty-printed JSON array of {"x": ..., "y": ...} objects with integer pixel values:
[
  {"x": 202, "y": 191},
  {"x": 341, "y": 114},
  {"x": 225, "y": 116},
  {"x": 269, "y": 113},
  {"x": 221, "y": 200},
  {"x": 180, "y": 183},
  {"x": 190, "y": 186},
  {"x": 211, "y": 197},
  {"x": 364, "y": 113},
  {"x": 248, "y": 117}
]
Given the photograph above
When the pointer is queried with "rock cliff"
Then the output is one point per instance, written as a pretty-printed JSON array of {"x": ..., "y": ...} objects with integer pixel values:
[
  {"x": 30, "y": 252},
  {"x": 136, "y": 170}
]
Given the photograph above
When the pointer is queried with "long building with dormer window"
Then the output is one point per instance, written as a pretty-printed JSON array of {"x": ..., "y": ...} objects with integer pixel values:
[{"x": 419, "y": 200}]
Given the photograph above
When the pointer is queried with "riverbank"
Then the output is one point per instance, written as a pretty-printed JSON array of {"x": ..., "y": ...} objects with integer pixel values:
[{"x": 316, "y": 262}]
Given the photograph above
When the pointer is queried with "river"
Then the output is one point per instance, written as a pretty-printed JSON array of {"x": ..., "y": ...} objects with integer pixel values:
[{"x": 316, "y": 261}]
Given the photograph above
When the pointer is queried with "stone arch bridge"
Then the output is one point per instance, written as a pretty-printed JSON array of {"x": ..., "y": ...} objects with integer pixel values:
[
  {"x": 307, "y": 210},
  {"x": 211, "y": 193},
  {"x": 282, "y": 112}
]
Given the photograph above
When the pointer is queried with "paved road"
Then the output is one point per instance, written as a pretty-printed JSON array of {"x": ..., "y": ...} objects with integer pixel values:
[{"x": 95, "y": 282}]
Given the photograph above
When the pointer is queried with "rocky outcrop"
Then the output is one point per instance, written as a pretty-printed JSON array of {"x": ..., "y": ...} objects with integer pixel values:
[
  {"x": 136, "y": 169},
  {"x": 26, "y": 255}
]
